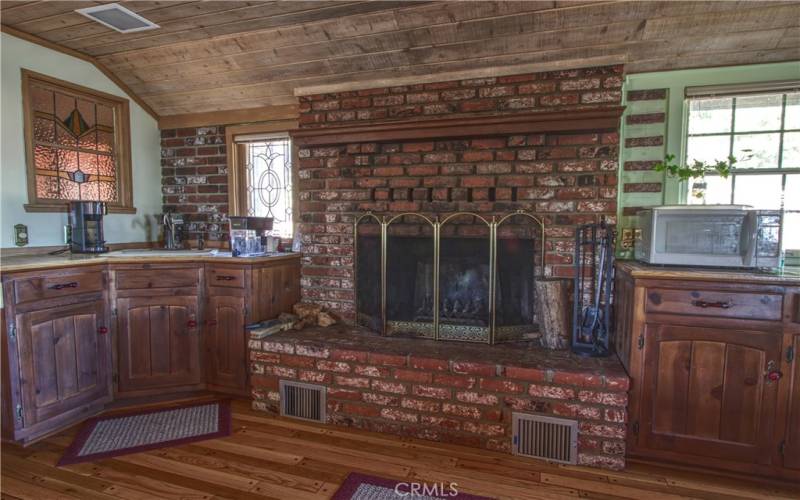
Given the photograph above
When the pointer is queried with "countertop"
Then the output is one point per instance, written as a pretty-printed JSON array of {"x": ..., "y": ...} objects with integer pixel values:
[
  {"x": 31, "y": 262},
  {"x": 789, "y": 277}
]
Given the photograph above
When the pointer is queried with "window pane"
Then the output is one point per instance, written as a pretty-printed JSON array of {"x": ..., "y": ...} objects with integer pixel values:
[
  {"x": 717, "y": 191},
  {"x": 792, "y": 120},
  {"x": 269, "y": 183},
  {"x": 708, "y": 148},
  {"x": 708, "y": 116},
  {"x": 756, "y": 150},
  {"x": 791, "y": 197},
  {"x": 758, "y": 191},
  {"x": 758, "y": 112},
  {"x": 791, "y": 150},
  {"x": 791, "y": 231}
]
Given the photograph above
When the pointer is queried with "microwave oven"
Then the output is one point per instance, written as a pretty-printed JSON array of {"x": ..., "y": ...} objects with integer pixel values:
[{"x": 708, "y": 235}]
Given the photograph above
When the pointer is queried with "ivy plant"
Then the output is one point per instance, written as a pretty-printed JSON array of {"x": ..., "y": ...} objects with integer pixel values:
[{"x": 696, "y": 170}]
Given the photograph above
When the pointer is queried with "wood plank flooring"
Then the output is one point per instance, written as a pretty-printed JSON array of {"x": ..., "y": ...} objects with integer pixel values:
[{"x": 284, "y": 459}]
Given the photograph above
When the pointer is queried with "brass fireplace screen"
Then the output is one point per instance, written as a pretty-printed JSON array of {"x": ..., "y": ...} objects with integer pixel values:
[{"x": 459, "y": 277}]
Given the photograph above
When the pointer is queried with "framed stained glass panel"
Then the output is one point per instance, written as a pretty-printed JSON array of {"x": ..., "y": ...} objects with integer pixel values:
[{"x": 77, "y": 144}]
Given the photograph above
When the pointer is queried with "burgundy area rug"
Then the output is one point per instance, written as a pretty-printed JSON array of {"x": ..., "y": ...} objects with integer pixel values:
[
  {"x": 363, "y": 487},
  {"x": 141, "y": 430}
]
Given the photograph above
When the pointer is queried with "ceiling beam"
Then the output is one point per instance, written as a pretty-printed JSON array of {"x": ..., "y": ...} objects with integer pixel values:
[
  {"x": 74, "y": 53},
  {"x": 228, "y": 117}
]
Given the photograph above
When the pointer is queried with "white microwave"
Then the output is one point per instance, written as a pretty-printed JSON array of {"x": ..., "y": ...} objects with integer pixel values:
[{"x": 709, "y": 235}]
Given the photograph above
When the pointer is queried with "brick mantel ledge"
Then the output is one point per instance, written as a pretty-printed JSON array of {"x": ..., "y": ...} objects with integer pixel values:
[
  {"x": 447, "y": 391},
  {"x": 480, "y": 125}
]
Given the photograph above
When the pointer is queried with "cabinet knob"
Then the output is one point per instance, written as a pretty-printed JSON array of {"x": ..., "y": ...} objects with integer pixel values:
[
  {"x": 211, "y": 322},
  {"x": 102, "y": 330},
  {"x": 191, "y": 323},
  {"x": 224, "y": 277},
  {"x": 773, "y": 374}
]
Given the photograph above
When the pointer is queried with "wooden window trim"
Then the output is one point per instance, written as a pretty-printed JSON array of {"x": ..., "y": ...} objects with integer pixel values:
[
  {"x": 122, "y": 145},
  {"x": 237, "y": 183}
]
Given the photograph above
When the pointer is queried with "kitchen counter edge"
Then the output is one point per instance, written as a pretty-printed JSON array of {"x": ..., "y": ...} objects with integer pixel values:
[
  {"x": 19, "y": 263},
  {"x": 644, "y": 271}
]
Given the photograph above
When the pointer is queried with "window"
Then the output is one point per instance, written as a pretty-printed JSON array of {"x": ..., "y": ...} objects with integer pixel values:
[
  {"x": 77, "y": 145},
  {"x": 263, "y": 164},
  {"x": 762, "y": 130}
]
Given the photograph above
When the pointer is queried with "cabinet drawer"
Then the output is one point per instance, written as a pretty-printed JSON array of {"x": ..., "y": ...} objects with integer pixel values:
[
  {"x": 740, "y": 305},
  {"x": 48, "y": 287},
  {"x": 225, "y": 277},
  {"x": 156, "y": 278}
]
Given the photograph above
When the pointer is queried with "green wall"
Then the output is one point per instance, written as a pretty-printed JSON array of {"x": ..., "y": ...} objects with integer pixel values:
[{"x": 675, "y": 83}]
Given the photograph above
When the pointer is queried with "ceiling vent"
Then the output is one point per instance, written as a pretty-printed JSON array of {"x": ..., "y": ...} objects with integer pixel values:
[{"x": 117, "y": 17}]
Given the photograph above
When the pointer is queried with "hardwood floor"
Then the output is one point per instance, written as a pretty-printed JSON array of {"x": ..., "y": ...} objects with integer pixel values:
[{"x": 285, "y": 459}]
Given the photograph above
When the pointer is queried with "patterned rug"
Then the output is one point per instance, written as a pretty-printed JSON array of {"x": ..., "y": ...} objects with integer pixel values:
[
  {"x": 135, "y": 431},
  {"x": 363, "y": 487}
]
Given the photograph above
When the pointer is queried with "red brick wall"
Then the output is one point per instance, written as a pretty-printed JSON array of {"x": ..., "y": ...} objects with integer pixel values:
[
  {"x": 566, "y": 178},
  {"x": 195, "y": 179},
  {"x": 444, "y": 400}
]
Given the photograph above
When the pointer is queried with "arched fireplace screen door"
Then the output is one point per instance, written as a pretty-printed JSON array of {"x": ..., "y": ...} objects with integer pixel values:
[{"x": 460, "y": 277}]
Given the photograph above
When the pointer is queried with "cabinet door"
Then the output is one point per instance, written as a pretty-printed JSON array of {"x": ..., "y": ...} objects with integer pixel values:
[
  {"x": 158, "y": 342},
  {"x": 791, "y": 443},
  {"x": 226, "y": 342},
  {"x": 705, "y": 392},
  {"x": 64, "y": 357}
]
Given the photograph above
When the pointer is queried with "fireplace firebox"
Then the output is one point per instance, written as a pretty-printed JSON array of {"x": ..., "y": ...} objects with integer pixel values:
[{"x": 459, "y": 276}]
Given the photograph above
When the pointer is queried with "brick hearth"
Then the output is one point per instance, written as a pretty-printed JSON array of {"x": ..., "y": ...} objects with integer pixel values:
[{"x": 450, "y": 392}]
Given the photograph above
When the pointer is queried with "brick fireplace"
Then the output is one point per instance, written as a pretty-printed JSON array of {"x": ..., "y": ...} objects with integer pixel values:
[
  {"x": 545, "y": 143},
  {"x": 349, "y": 161}
]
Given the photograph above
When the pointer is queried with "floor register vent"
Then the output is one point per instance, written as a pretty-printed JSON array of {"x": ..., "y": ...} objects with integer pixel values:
[
  {"x": 303, "y": 401},
  {"x": 547, "y": 438}
]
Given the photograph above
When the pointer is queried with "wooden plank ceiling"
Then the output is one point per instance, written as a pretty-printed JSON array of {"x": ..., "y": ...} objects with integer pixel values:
[{"x": 223, "y": 55}]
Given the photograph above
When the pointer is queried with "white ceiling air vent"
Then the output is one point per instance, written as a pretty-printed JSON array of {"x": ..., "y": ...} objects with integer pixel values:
[{"x": 117, "y": 17}]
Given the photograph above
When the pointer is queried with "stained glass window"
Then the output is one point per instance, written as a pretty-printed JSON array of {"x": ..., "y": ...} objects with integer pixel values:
[
  {"x": 75, "y": 143},
  {"x": 268, "y": 171}
]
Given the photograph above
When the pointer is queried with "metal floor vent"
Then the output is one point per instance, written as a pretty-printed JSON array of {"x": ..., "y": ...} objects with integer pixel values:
[
  {"x": 548, "y": 438},
  {"x": 303, "y": 401}
]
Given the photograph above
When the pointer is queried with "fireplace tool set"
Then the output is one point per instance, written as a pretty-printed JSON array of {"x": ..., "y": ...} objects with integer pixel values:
[{"x": 594, "y": 281}]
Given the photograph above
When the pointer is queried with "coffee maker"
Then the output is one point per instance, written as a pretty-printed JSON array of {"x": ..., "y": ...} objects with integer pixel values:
[{"x": 86, "y": 225}]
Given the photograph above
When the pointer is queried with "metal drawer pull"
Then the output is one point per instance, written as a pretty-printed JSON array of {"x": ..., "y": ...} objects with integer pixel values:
[
  {"x": 60, "y": 286},
  {"x": 720, "y": 305},
  {"x": 102, "y": 330},
  {"x": 223, "y": 277},
  {"x": 191, "y": 323}
]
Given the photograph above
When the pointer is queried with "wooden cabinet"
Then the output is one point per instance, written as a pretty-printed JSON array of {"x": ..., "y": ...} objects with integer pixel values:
[
  {"x": 158, "y": 342},
  {"x": 226, "y": 343},
  {"x": 235, "y": 297},
  {"x": 58, "y": 354},
  {"x": 704, "y": 391},
  {"x": 69, "y": 353},
  {"x": 790, "y": 446},
  {"x": 710, "y": 358},
  {"x": 158, "y": 334},
  {"x": 77, "y": 337}
]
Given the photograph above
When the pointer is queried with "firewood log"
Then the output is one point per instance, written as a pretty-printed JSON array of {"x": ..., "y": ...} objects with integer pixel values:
[{"x": 553, "y": 312}]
